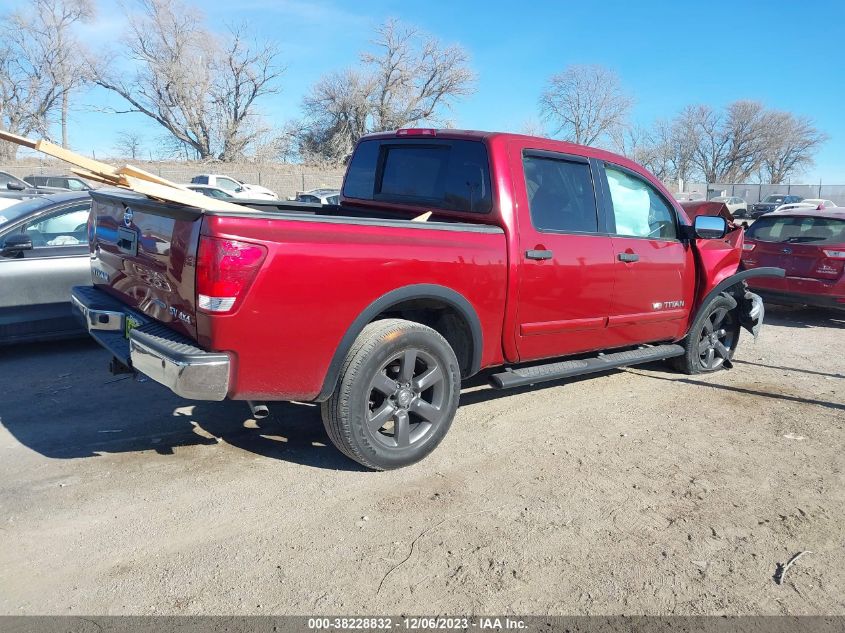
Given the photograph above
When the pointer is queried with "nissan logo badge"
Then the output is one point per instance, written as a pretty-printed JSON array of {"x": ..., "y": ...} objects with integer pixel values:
[{"x": 127, "y": 216}]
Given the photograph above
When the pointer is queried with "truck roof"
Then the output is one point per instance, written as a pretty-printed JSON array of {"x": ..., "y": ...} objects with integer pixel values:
[{"x": 561, "y": 146}]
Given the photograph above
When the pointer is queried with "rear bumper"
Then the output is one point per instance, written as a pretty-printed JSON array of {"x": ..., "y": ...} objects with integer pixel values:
[
  {"x": 800, "y": 290},
  {"x": 152, "y": 349},
  {"x": 816, "y": 301}
]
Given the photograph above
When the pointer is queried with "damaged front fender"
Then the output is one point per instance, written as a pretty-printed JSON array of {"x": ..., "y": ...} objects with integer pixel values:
[{"x": 749, "y": 304}]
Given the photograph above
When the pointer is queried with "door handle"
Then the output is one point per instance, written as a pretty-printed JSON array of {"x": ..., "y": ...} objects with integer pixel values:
[
  {"x": 628, "y": 257},
  {"x": 533, "y": 254}
]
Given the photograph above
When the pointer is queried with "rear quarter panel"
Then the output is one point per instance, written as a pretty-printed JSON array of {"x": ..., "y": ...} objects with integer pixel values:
[{"x": 319, "y": 276}]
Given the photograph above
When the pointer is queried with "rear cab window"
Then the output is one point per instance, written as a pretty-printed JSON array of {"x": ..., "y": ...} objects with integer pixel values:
[{"x": 447, "y": 174}]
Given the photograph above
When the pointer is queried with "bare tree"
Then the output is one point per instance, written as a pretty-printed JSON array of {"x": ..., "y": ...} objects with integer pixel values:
[
  {"x": 584, "y": 103},
  {"x": 129, "y": 144},
  {"x": 727, "y": 145},
  {"x": 410, "y": 79},
  {"x": 202, "y": 89},
  {"x": 790, "y": 142},
  {"x": 41, "y": 64}
]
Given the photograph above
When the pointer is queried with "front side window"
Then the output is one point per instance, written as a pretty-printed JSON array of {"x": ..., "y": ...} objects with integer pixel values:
[
  {"x": 638, "y": 209},
  {"x": 76, "y": 185},
  {"x": 560, "y": 195},
  {"x": 66, "y": 227}
]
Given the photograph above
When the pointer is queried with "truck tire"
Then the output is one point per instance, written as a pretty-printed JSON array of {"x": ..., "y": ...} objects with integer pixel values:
[
  {"x": 396, "y": 396},
  {"x": 712, "y": 339}
]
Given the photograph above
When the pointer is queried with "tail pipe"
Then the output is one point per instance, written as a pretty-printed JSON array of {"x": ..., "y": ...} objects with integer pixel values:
[{"x": 259, "y": 409}]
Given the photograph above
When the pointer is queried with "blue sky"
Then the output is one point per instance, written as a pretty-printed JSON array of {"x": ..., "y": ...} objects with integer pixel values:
[{"x": 669, "y": 53}]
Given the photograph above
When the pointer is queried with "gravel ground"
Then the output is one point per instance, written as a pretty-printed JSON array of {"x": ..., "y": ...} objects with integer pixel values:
[{"x": 638, "y": 491}]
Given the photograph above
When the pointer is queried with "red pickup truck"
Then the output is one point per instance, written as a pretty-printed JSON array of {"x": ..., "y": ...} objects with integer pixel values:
[{"x": 451, "y": 252}]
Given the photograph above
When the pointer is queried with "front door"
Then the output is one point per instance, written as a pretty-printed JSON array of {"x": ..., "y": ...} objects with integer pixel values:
[
  {"x": 566, "y": 272},
  {"x": 655, "y": 269}
]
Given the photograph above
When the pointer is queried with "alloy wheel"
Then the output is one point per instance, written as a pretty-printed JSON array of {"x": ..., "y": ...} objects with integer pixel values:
[
  {"x": 407, "y": 399},
  {"x": 716, "y": 340}
]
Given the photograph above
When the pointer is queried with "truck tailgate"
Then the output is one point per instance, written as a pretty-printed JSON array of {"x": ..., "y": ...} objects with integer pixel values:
[{"x": 144, "y": 254}]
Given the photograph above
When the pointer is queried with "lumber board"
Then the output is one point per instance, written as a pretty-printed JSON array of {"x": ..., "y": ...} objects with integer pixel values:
[
  {"x": 189, "y": 198},
  {"x": 18, "y": 140},
  {"x": 137, "y": 172},
  {"x": 74, "y": 159},
  {"x": 90, "y": 175},
  {"x": 128, "y": 177}
]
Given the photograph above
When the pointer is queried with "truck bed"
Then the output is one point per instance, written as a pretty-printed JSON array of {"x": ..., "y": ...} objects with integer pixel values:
[{"x": 321, "y": 272}]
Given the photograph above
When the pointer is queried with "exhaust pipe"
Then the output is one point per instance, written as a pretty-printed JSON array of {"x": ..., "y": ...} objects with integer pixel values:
[{"x": 259, "y": 409}]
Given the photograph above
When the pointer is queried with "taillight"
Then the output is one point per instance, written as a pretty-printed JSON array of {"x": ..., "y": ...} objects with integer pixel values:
[
  {"x": 834, "y": 254},
  {"x": 748, "y": 247},
  {"x": 225, "y": 270}
]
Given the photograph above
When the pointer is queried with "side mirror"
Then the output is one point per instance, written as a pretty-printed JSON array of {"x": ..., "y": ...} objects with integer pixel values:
[
  {"x": 15, "y": 186},
  {"x": 238, "y": 189},
  {"x": 709, "y": 227},
  {"x": 16, "y": 243}
]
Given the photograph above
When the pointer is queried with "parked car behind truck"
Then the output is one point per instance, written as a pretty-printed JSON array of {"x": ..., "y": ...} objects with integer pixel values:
[
  {"x": 770, "y": 203},
  {"x": 536, "y": 251},
  {"x": 809, "y": 244}
]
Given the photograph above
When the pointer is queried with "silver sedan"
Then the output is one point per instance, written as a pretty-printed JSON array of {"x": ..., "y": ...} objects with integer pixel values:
[{"x": 43, "y": 253}]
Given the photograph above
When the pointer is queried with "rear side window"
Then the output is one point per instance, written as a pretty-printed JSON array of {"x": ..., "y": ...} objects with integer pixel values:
[
  {"x": 638, "y": 210},
  {"x": 446, "y": 174},
  {"x": 560, "y": 195},
  {"x": 797, "y": 230}
]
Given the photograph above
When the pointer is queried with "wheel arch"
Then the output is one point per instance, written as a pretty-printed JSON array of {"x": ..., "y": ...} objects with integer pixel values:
[
  {"x": 439, "y": 307},
  {"x": 731, "y": 281}
]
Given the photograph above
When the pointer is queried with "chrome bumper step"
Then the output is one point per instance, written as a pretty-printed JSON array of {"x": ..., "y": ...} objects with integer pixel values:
[{"x": 153, "y": 349}]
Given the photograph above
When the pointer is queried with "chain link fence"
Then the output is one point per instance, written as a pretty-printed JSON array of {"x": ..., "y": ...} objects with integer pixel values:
[
  {"x": 752, "y": 193},
  {"x": 285, "y": 179}
]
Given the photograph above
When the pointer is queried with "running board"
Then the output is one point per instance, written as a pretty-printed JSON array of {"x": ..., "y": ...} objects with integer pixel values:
[{"x": 569, "y": 368}]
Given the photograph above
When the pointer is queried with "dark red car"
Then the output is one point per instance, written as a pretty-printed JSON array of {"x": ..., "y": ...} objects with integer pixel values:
[{"x": 810, "y": 246}]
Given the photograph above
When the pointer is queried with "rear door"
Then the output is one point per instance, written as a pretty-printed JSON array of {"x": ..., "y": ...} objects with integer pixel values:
[
  {"x": 654, "y": 269},
  {"x": 566, "y": 272}
]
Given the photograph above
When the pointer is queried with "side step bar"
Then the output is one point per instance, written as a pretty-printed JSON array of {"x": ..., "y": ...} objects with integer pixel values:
[{"x": 569, "y": 368}]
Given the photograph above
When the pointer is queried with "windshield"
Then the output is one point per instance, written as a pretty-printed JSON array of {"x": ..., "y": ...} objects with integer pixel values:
[
  {"x": 18, "y": 210},
  {"x": 774, "y": 199},
  {"x": 798, "y": 229}
]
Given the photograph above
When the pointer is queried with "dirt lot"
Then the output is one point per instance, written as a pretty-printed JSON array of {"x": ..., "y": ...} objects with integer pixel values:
[{"x": 639, "y": 491}]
